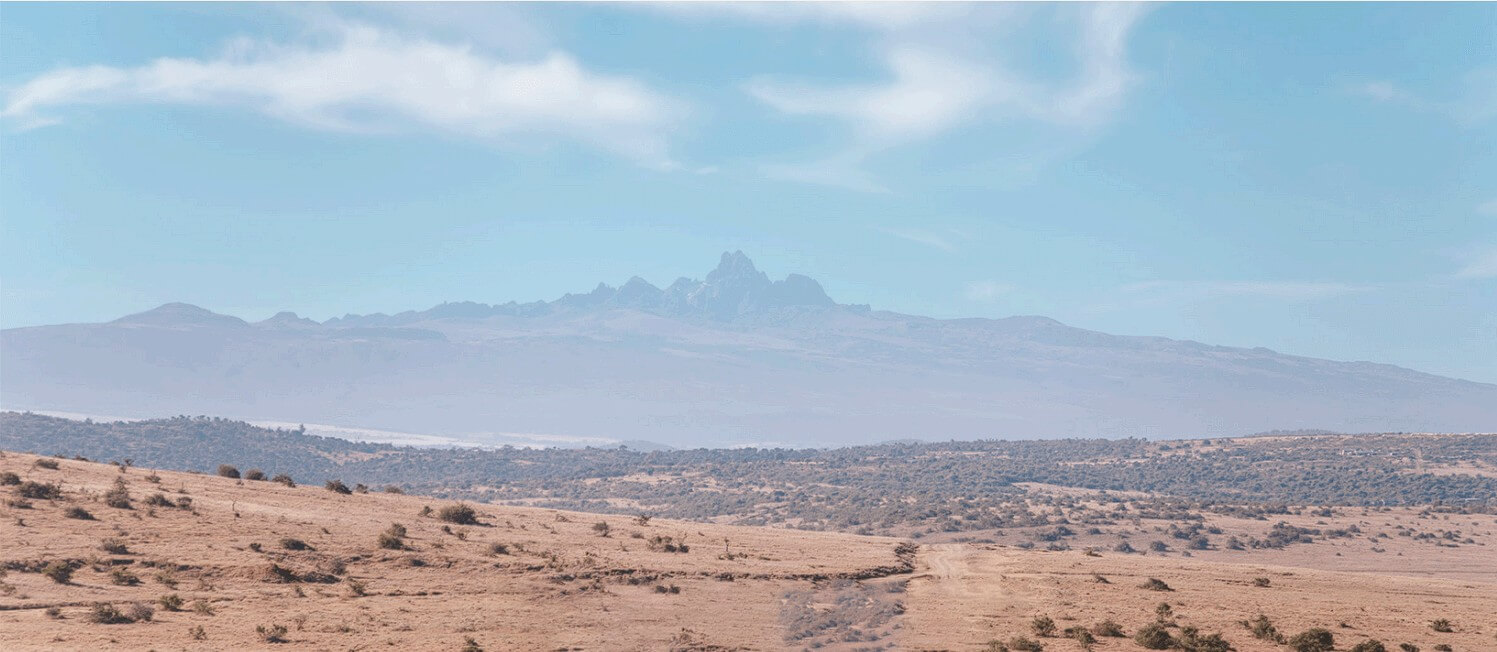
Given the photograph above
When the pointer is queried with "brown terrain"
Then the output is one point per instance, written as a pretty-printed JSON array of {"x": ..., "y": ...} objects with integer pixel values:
[{"x": 225, "y": 563}]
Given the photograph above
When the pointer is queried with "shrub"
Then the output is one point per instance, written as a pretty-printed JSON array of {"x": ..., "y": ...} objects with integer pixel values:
[
  {"x": 356, "y": 588},
  {"x": 1408, "y": 647},
  {"x": 1042, "y": 626},
  {"x": 59, "y": 571},
  {"x": 39, "y": 490},
  {"x": 470, "y": 645},
  {"x": 123, "y": 577},
  {"x": 1441, "y": 625},
  {"x": 1263, "y": 629},
  {"x": 198, "y": 633},
  {"x": 54, "y": 612},
  {"x": 118, "y": 496},
  {"x": 337, "y": 486},
  {"x": 170, "y": 602},
  {"x": 294, "y": 544},
  {"x": 228, "y": 471},
  {"x": 9, "y": 478},
  {"x": 284, "y": 479},
  {"x": 104, "y": 613},
  {"x": 1317, "y": 639},
  {"x": 460, "y": 513},
  {"x": 1155, "y": 584},
  {"x": 1022, "y": 644},
  {"x": 1260, "y": 581},
  {"x": 1082, "y": 636},
  {"x": 203, "y": 608},
  {"x": 1191, "y": 640},
  {"x": 114, "y": 546},
  {"x": 271, "y": 634},
  {"x": 1369, "y": 645},
  {"x": 1108, "y": 628},
  {"x": 254, "y": 474},
  {"x": 497, "y": 548},
  {"x": 1442, "y": 647},
  {"x": 392, "y": 489},
  {"x": 45, "y": 463},
  {"x": 1154, "y": 637},
  {"x": 159, "y": 500},
  {"x": 602, "y": 528},
  {"x": 78, "y": 513}
]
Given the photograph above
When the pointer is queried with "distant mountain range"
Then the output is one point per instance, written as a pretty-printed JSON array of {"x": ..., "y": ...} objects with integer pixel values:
[{"x": 735, "y": 359}]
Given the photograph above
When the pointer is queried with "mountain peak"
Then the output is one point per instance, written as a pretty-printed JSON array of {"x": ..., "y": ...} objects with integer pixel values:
[{"x": 735, "y": 265}]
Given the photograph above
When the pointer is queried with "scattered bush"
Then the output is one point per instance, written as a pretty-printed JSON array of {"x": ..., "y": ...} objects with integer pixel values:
[
  {"x": 392, "y": 489},
  {"x": 1023, "y": 644},
  {"x": 1369, "y": 645},
  {"x": 470, "y": 645},
  {"x": 159, "y": 500},
  {"x": 104, "y": 613},
  {"x": 393, "y": 537},
  {"x": 1260, "y": 581},
  {"x": 254, "y": 474},
  {"x": 1317, "y": 639},
  {"x": 1441, "y": 625},
  {"x": 228, "y": 471},
  {"x": 59, "y": 571},
  {"x": 460, "y": 514},
  {"x": 1191, "y": 640},
  {"x": 1408, "y": 647},
  {"x": 271, "y": 634},
  {"x": 123, "y": 577},
  {"x": 356, "y": 588},
  {"x": 1108, "y": 628},
  {"x": 337, "y": 486},
  {"x": 202, "y": 608},
  {"x": 290, "y": 543},
  {"x": 39, "y": 490},
  {"x": 602, "y": 528},
  {"x": 118, "y": 496},
  {"x": 54, "y": 612},
  {"x": 1155, "y": 584},
  {"x": 497, "y": 548},
  {"x": 284, "y": 479},
  {"x": 8, "y": 478},
  {"x": 45, "y": 463},
  {"x": 1154, "y": 637},
  {"x": 78, "y": 513},
  {"x": 1263, "y": 629},
  {"x": 170, "y": 602},
  {"x": 1042, "y": 626},
  {"x": 1082, "y": 636},
  {"x": 114, "y": 546},
  {"x": 198, "y": 633}
]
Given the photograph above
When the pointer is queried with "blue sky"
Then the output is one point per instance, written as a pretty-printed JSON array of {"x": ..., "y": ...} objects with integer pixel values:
[{"x": 1317, "y": 179}]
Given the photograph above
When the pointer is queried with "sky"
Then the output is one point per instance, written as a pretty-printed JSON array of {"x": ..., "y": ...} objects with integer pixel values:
[{"x": 1318, "y": 179}]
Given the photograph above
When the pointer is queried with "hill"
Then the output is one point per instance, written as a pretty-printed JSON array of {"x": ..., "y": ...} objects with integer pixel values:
[{"x": 735, "y": 359}]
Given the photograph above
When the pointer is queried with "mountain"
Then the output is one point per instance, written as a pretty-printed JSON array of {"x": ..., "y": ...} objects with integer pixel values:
[{"x": 733, "y": 359}]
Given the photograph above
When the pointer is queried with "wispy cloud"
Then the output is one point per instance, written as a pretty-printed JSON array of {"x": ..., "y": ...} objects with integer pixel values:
[
  {"x": 1474, "y": 101},
  {"x": 919, "y": 236},
  {"x": 374, "y": 80},
  {"x": 936, "y": 84},
  {"x": 1287, "y": 290},
  {"x": 1481, "y": 266},
  {"x": 987, "y": 291}
]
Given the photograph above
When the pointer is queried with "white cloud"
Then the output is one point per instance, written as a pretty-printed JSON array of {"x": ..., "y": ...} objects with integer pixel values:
[
  {"x": 937, "y": 81},
  {"x": 920, "y": 236},
  {"x": 1483, "y": 265},
  {"x": 375, "y": 80},
  {"x": 987, "y": 291},
  {"x": 1488, "y": 208}
]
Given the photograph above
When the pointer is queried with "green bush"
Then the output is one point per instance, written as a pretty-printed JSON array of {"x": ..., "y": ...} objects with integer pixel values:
[{"x": 1154, "y": 636}]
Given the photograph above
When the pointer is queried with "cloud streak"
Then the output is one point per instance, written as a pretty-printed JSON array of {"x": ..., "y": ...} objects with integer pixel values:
[
  {"x": 373, "y": 80},
  {"x": 937, "y": 84},
  {"x": 922, "y": 237}
]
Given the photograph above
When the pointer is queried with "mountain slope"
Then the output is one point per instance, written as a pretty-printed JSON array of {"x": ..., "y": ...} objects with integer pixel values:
[{"x": 733, "y": 359}]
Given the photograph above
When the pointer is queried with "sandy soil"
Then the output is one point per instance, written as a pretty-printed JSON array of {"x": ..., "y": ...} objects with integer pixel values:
[{"x": 562, "y": 586}]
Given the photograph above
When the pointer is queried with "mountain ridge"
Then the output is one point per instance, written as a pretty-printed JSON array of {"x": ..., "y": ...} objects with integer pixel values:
[{"x": 733, "y": 359}]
